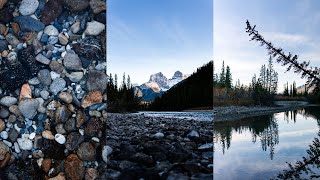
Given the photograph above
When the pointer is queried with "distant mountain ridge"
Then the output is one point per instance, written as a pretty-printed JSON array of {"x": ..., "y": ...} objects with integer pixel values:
[{"x": 158, "y": 84}]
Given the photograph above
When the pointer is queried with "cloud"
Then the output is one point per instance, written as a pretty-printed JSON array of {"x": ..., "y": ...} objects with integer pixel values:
[{"x": 286, "y": 38}]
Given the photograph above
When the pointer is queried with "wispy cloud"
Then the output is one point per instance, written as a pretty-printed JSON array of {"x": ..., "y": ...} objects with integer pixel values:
[{"x": 121, "y": 29}]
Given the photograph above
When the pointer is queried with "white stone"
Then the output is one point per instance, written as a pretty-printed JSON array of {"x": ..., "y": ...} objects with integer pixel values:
[
  {"x": 16, "y": 147},
  {"x": 17, "y": 128},
  {"x": 60, "y": 138},
  {"x": 206, "y": 146},
  {"x": 51, "y": 30},
  {"x": 106, "y": 151},
  {"x": 75, "y": 76},
  {"x": 25, "y": 144},
  {"x": 95, "y": 139},
  {"x": 28, "y": 7},
  {"x": 42, "y": 59},
  {"x": 193, "y": 134},
  {"x": 158, "y": 135},
  {"x": 8, "y": 143},
  {"x": 4, "y": 135},
  {"x": 39, "y": 162},
  {"x": 94, "y": 28},
  {"x": 32, "y": 135},
  {"x": 81, "y": 131},
  {"x": 54, "y": 75}
]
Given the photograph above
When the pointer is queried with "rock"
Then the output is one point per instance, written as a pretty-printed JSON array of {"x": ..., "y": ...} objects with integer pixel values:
[
  {"x": 48, "y": 135},
  {"x": 75, "y": 76},
  {"x": 74, "y": 168},
  {"x": 81, "y": 118},
  {"x": 56, "y": 66},
  {"x": 12, "y": 40},
  {"x": 25, "y": 92},
  {"x": 12, "y": 118},
  {"x": 97, "y": 80},
  {"x": 28, "y": 7},
  {"x": 2, "y": 125},
  {"x": 70, "y": 125},
  {"x": 193, "y": 134},
  {"x": 42, "y": 59},
  {"x": 73, "y": 140},
  {"x": 52, "y": 9},
  {"x": 29, "y": 24},
  {"x": 46, "y": 165},
  {"x": 5, "y": 161},
  {"x": 25, "y": 144},
  {"x": 34, "y": 81},
  {"x": 76, "y": 5},
  {"x": 94, "y": 28},
  {"x": 89, "y": 48},
  {"x": 5, "y": 15},
  {"x": 44, "y": 94},
  {"x": 44, "y": 77},
  {"x": 75, "y": 28},
  {"x": 3, "y": 45},
  {"x": 28, "y": 107},
  {"x": 51, "y": 30},
  {"x": 2, "y": 3},
  {"x": 72, "y": 62},
  {"x": 57, "y": 85},
  {"x": 66, "y": 97},
  {"x": 4, "y": 113},
  {"x": 8, "y": 101},
  {"x": 27, "y": 58},
  {"x": 60, "y": 176},
  {"x": 62, "y": 114},
  {"x": 207, "y": 146},
  {"x": 60, "y": 129},
  {"x": 53, "y": 40},
  {"x": 63, "y": 39},
  {"x": 13, "y": 135},
  {"x": 106, "y": 151},
  {"x": 93, "y": 127},
  {"x": 91, "y": 174},
  {"x": 92, "y": 98},
  {"x": 97, "y": 6},
  {"x": 86, "y": 151},
  {"x": 60, "y": 138},
  {"x": 4, "y": 135},
  {"x": 32, "y": 135},
  {"x": 158, "y": 135}
]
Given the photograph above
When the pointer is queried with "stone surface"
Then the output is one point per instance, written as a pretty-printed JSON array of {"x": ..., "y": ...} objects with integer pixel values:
[
  {"x": 73, "y": 140},
  {"x": 94, "y": 28},
  {"x": 2, "y": 3},
  {"x": 106, "y": 151},
  {"x": 28, "y": 23},
  {"x": 75, "y": 76},
  {"x": 28, "y": 7},
  {"x": 42, "y": 59},
  {"x": 8, "y": 101},
  {"x": 25, "y": 92},
  {"x": 97, "y": 80},
  {"x": 73, "y": 167},
  {"x": 50, "y": 30},
  {"x": 25, "y": 144},
  {"x": 44, "y": 77},
  {"x": 28, "y": 107},
  {"x": 2, "y": 125},
  {"x": 72, "y": 62},
  {"x": 92, "y": 98},
  {"x": 63, "y": 39},
  {"x": 91, "y": 174},
  {"x": 12, "y": 40},
  {"x": 62, "y": 114},
  {"x": 60, "y": 138},
  {"x": 76, "y": 5},
  {"x": 97, "y": 6},
  {"x": 66, "y": 97},
  {"x": 52, "y": 9},
  {"x": 47, "y": 134},
  {"x": 57, "y": 85},
  {"x": 46, "y": 165},
  {"x": 86, "y": 151}
]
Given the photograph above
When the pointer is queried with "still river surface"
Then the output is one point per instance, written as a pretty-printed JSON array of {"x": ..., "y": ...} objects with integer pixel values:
[{"x": 259, "y": 147}]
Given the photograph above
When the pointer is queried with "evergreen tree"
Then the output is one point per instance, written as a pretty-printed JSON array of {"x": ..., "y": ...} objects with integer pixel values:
[
  {"x": 222, "y": 80},
  {"x": 228, "y": 79}
]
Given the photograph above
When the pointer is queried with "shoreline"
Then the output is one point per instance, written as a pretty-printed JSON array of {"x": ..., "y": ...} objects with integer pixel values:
[{"x": 229, "y": 113}]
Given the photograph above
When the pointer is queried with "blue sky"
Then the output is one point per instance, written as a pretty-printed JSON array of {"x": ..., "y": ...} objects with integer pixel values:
[
  {"x": 146, "y": 36},
  {"x": 290, "y": 24}
]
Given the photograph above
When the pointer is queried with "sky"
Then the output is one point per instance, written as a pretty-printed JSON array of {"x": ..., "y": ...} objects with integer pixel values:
[
  {"x": 292, "y": 25},
  {"x": 145, "y": 37}
]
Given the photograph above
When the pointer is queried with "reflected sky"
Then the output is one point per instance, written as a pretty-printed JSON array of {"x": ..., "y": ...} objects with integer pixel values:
[{"x": 257, "y": 154}]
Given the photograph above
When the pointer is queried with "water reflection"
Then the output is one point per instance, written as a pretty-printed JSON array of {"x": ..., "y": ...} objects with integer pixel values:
[{"x": 286, "y": 135}]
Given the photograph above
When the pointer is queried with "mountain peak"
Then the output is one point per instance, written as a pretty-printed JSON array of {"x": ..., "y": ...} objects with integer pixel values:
[
  {"x": 177, "y": 74},
  {"x": 160, "y": 79}
]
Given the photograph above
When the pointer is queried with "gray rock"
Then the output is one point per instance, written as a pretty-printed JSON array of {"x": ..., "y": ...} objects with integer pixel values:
[
  {"x": 94, "y": 28},
  {"x": 41, "y": 58},
  {"x": 13, "y": 135},
  {"x": 12, "y": 40},
  {"x": 86, "y": 151},
  {"x": 57, "y": 85},
  {"x": 73, "y": 140},
  {"x": 12, "y": 118},
  {"x": 53, "y": 40},
  {"x": 8, "y": 101},
  {"x": 193, "y": 134},
  {"x": 34, "y": 81},
  {"x": 44, "y": 77},
  {"x": 60, "y": 129},
  {"x": 75, "y": 76},
  {"x": 4, "y": 113},
  {"x": 28, "y": 23},
  {"x": 62, "y": 114},
  {"x": 15, "y": 110},
  {"x": 51, "y": 30},
  {"x": 3, "y": 45},
  {"x": 63, "y": 39},
  {"x": 106, "y": 151},
  {"x": 70, "y": 125},
  {"x": 28, "y": 7},
  {"x": 97, "y": 80},
  {"x": 72, "y": 62},
  {"x": 44, "y": 94},
  {"x": 28, "y": 107}
]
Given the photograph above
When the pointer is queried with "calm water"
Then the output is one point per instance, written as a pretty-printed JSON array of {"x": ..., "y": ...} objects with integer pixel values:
[
  {"x": 195, "y": 115},
  {"x": 259, "y": 147}
]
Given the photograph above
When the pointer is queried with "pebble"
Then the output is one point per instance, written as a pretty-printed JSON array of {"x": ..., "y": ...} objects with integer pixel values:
[
  {"x": 97, "y": 6},
  {"x": 60, "y": 138},
  {"x": 44, "y": 94},
  {"x": 8, "y": 101},
  {"x": 4, "y": 135},
  {"x": 66, "y": 97},
  {"x": 52, "y": 9},
  {"x": 42, "y": 59},
  {"x": 32, "y": 135},
  {"x": 72, "y": 62},
  {"x": 51, "y": 30},
  {"x": 3, "y": 45},
  {"x": 12, "y": 40},
  {"x": 29, "y": 24},
  {"x": 4, "y": 113},
  {"x": 86, "y": 151},
  {"x": 25, "y": 144},
  {"x": 16, "y": 147},
  {"x": 106, "y": 151},
  {"x": 158, "y": 135},
  {"x": 53, "y": 40},
  {"x": 208, "y": 146},
  {"x": 63, "y": 39},
  {"x": 57, "y": 85},
  {"x": 76, "y": 5},
  {"x": 94, "y": 28},
  {"x": 97, "y": 80},
  {"x": 2, "y": 3},
  {"x": 75, "y": 76},
  {"x": 12, "y": 56},
  {"x": 25, "y": 92},
  {"x": 28, "y": 7},
  {"x": 47, "y": 135},
  {"x": 73, "y": 167},
  {"x": 44, "y": 77},
  {"x": 193, "y": 134},
  {"x": 34, "y": 81},
  {"x": 28, "y": 107},
  {"x": 92, "y": 98}
]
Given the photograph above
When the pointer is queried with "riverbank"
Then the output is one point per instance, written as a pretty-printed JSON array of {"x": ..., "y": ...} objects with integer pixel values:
[
  {"x": 238, "y": 112},
  {"x": 158, "y": 148}
]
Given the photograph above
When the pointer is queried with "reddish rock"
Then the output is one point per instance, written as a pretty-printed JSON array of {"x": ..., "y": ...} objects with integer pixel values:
[
  {"x": 52, "y": 9},
  {"x": 46, "y": 165},
  {"x": 2, "y": 3},
  {"x": 25, "y": 92},
  {"x": 93, "y": 126},
  {"x": 73, "y": 167},
  {"x": 91, "y": 174},
  {"x": 81, "y": 118},
  {"x": 93, "y": 97},
  {"x": 76, "y": 5},
  {"x": 5, "y": 161}
]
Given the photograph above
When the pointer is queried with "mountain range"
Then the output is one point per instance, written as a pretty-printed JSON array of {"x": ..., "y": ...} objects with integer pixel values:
[{"x": 157, "y": 85}]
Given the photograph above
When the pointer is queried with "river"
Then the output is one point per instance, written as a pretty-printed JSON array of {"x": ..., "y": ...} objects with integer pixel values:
[
  {"x": 188, "y": 115},
  {"x": 259, "y": 147}
]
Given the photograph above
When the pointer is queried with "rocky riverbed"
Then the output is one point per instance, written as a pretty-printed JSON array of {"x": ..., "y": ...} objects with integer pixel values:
[
  {"x": 140, "y": 147},
  {"x": 52, "y": 89}
]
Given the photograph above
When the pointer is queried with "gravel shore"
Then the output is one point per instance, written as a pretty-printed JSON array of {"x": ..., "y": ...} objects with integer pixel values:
[
  {"x": 238, "y": 112},
  {"x": 158, "y": 148}
]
